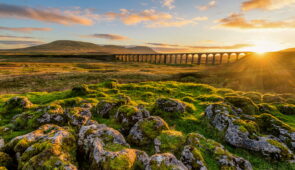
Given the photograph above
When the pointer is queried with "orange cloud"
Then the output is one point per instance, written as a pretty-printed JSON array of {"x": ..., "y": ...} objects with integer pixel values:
[
  {"x": 168, "y": 3},
  {"x": 238, "y": 21},
  {"x": 206, "y": 7},
  {"x": 130, "y": 18},
  {"x": 107, "y": 36},
  {"x": 179, "y": 22},
  {"x": 45, "y": 15},
  {"x": 24, "y": 29},
  {"x": 265, "y": 4}
]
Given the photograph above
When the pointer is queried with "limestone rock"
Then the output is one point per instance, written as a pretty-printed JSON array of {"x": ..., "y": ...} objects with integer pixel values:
[
  {"x": 192, "y": 158},
  {"x": 170, "y": 105},
  {"x": 48, "y": 147},
  {"x": 245, "y": 104},
  {"x": 108, "y": 108},
  {"x": 287, "y": 109},
  {"x": 5, "y": 160},
  {"x": 18, "y": 102},
  {"x": 128, "y": 115},
  {"x": 165, "y": 161},
  {"x": 1, "y": 143},
  {"x": 106, "y": 148},
  {"x": 146, "y": 130}
]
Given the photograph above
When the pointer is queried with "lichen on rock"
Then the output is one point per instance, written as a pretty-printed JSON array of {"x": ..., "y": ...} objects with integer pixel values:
[
  {"x": 146, "y": 130},
  {"x": 128, "y": 115},
  {"x": 48, "y": 147}
]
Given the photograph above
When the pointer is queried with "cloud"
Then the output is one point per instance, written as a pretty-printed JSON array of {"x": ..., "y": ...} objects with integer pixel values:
[
  {"x": 162, "y": 47},
  {"x": 151, "y": 18},
  {"x": 178, "y": 22},
  {"x": 11, "y": 41},
  {"x": 131, "y": 18},
  {"x": 162, "y": 44},
  {"x": 44, "y": 15},
  {"x": 107, "y": 36},
  {"x": 24, "y": 29},
  {"x": 229, "y": 47},
  {"x": 238, "y": 21},
  {"x": 168, "y": 3},
  {"x": 265, "y": 4},
  {"x": 206, "y": 7}
]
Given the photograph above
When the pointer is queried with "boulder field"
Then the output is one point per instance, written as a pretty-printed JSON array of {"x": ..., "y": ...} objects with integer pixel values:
[{"x": 148, "y": 126}]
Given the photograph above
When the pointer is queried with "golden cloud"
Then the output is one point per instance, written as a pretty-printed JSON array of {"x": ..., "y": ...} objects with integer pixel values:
[
  {"x": 238, "y": 21},
  {"x": 265, "y": 4},
  {"x": 168, "y": 3},
  {"x": 107, "y": 36},
  {"x": 206, "y": 7},
  {"x": 44, "y": 15},
  {"x": 24, "y": 29}
]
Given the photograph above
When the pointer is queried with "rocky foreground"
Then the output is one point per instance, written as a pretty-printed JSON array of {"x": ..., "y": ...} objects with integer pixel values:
[{"x": 151, "y": 126}]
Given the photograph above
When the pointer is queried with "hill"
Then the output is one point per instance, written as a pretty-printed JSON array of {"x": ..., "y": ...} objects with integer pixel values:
[
  {"x": 289, "y": 50},
  {"x": 78, "y": 47}
]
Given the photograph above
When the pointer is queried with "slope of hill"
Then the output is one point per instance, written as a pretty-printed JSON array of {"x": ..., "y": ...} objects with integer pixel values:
[
  {"x": 78, "y": 47},
  {"x": 289, "y": 50}
]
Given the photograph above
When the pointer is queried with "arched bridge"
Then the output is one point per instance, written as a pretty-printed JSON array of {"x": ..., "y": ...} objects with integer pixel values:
[{"x": 184, "y": 58}]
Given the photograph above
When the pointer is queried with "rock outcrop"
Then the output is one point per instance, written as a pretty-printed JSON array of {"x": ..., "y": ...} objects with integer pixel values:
[
  {"x": 242, "y": 133},
  {"x": 146, "y": 130},
  {"x": 48, "y": 147}
]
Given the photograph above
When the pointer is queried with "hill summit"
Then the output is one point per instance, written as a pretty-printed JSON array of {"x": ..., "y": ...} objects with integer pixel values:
[{"x": 78, "y": 47}]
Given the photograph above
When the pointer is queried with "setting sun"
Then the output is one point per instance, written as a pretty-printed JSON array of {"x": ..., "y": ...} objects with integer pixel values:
[{"x": 264, "y": 46}]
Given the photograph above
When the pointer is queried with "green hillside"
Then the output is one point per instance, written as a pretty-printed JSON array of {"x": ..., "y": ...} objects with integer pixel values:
[{"x": 78, "y": 47}]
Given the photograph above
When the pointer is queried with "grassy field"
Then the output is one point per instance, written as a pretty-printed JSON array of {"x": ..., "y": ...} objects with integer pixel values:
[{"x": 270, "y": 73}]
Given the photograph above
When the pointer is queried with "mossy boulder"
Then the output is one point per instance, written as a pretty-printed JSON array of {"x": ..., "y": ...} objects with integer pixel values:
[
  {"x": 254, "y": 96},
  {"x": 192, "y": 158},
  {"x": 224, "y": 158},
  {"x": 53, "y": 113},
  {"x": 5, "y": 160},
  {"x": 169, "y": 141},
  {"x": 244, "y": 103},
  {"x": 81, "y": 90},
  {"x": 127, "y": 159},
  {"x": 108, "y": 108},
  {"x": 49, "y": 147},
  {"x": 17, "y": 104},
  {"x": 78, "y": 116},
  {"x": 287, "y": 109},
  {"x": 99, "y": 141},
  {"x": 128, "y": 115},
  {"x": 165, "y": 161},
  {"x": 272, "y": 98},
  {"x": 146, "y": 130},
  {"x": 210, "y": 98},
  {"x": 167, "y": 107},
  {"x": 267, "y": 108}
]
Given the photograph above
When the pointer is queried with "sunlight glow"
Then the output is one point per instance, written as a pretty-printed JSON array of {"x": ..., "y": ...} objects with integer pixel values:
[{"x": 261, "y": 47}]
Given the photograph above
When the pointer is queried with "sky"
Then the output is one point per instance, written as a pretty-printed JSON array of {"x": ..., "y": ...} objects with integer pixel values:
[{"x": 165, "y": 25}]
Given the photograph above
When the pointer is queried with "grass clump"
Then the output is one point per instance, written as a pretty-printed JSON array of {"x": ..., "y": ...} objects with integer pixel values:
[
  {"x": 246, "y": 104},
  {"x": 287, "y": 109},
  {"x": 171, "y": 141}
]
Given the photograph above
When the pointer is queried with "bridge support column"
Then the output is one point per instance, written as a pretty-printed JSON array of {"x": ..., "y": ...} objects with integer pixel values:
[
  {"x": 186, "y": 58},
  {"x": 193, "y": 58},
  {"x": 213, "y": 60},
  {"x": 207, "y": 58},
  {"x": 199, "y": 59},
  {"x": 165, "y": 58},
  {"x": 228, "y": 58},
  {"x": 220, "y": 59}
]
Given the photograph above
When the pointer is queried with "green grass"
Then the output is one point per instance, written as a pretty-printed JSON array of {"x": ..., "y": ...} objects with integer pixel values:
[{"x": 146, "y": 93}]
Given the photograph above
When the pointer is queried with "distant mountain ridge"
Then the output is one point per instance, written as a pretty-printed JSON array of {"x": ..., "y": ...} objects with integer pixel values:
[{"x": 79, "y": 47}]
